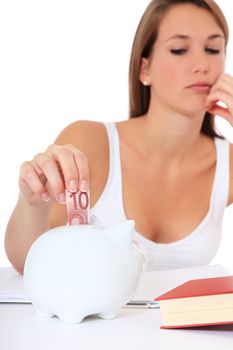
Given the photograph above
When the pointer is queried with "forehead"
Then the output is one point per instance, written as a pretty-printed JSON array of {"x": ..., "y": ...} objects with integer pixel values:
[{"x": 189, "y": 20}]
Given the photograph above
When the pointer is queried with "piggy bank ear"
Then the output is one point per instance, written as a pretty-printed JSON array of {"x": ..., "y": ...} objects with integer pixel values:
[{"x": 122, "y": 233}]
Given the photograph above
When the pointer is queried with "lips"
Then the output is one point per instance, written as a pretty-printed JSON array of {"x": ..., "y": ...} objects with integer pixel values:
[{"x": 201, "y": 87}]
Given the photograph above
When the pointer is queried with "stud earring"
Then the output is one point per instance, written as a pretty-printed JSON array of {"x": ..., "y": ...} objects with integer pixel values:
[{"x": 145, "y": 83}]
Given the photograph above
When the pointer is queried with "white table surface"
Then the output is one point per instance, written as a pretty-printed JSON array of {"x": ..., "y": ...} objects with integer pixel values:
[{"x": 21, "y": 328}]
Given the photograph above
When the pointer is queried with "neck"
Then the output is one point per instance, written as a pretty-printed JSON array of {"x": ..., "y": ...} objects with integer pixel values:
[{"x": 176, "y": 136}]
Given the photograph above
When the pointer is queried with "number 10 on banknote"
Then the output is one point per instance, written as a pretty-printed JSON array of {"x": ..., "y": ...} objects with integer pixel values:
[{"x": 77, "y": 204}]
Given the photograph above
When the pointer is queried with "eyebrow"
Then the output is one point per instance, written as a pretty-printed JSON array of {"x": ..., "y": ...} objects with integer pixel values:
[{"x": 187, "y": 37}]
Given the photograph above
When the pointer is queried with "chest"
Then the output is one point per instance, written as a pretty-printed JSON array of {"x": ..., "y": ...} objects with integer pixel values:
[{"x": 166, "y": 206}]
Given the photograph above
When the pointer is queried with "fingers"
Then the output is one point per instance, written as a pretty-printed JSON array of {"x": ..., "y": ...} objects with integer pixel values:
[
  {"x": 221, "y": 91},
  {"x": 223, "y": 83},
  {"x": 50, "y": 173},
  {"x": 82, "y": 166},
  {"x": 54, "y": 179},
  {"x": 221, "y": 111},
  {"x": 74, "y": 166},
  {"x": 31, "y": 183}
]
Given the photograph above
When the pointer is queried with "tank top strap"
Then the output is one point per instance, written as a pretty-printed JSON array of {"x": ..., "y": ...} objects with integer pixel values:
[
  {"x": 109, "y": 208},
  {"x": 114, "y": 155},
  {"x": 221, "y": 187}
]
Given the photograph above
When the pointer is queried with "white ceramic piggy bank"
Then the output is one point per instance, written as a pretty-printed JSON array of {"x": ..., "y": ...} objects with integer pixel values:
[{"x": 80, "y": 270}]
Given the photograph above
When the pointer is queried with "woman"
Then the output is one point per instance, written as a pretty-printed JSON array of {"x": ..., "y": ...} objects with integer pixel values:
[{"x": 166, "y": 167}]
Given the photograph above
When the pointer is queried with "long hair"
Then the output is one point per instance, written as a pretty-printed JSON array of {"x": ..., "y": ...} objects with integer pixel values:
[{"x": 145, "y": 37}]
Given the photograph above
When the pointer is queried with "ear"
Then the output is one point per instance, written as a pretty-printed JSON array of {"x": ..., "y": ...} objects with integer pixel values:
[{"x": 144, "y": 76}]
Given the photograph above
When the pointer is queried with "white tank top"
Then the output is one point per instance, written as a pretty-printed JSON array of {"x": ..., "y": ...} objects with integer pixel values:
[{"x": 196, "y": 248}]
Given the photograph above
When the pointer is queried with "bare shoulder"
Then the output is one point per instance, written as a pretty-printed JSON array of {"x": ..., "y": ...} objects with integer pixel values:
[
  {"x": 85, "y": 135},
  {"x": 231, "y": 175}
]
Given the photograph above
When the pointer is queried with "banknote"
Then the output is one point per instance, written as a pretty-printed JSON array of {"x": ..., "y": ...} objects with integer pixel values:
[{"x": 77, "y": 204}]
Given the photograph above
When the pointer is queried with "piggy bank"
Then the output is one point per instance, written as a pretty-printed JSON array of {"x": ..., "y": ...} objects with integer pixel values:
[{"x": 79, "y": 270}]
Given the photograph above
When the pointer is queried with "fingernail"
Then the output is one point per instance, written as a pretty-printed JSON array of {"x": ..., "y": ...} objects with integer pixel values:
[
  {"x": 73, "y": 185},
  {"x": 84, "y": 186},
  {"x": 45, "y": 196},
  {"x": 62, "y": 198},
  {"x": 75, "y": 221}
]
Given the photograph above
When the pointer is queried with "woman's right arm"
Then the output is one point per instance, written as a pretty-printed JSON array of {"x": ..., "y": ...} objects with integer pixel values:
[{"x": 42, "y": 184}]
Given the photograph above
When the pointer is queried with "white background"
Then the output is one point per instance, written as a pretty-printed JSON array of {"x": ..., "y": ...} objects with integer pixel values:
[{"x": 62, "y": 60}]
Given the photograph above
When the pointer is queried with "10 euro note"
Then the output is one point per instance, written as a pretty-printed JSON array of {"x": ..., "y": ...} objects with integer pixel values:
[{"x": 78, "y": 205}]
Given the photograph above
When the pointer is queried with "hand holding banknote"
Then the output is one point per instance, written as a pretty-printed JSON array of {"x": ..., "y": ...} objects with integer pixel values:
[{"x": 49, "y": 175}]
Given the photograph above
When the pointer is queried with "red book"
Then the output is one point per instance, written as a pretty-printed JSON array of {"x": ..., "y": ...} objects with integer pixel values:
[{"x": 200, "y": 302}]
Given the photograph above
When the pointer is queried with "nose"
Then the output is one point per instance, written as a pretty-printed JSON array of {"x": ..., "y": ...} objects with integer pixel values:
[{"x": 200, "y": 63}]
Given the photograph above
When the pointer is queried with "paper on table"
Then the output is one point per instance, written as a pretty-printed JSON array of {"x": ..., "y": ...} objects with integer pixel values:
[
  {"x": 152, "y": 284},
  {"x": 11, "y": 287},
  {"x": 13, "y": 296},
  {"x": 142, "y": 304},
  {"x": 155, "y": 283}
]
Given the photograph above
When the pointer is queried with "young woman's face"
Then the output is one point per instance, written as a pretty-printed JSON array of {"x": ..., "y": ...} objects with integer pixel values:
[{"x": 187, "y": 58}]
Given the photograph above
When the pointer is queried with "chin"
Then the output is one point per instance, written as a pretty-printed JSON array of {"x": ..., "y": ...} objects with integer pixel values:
[
  {"x": 194, "y": 108},
  {"x": 192, "y": 112}
]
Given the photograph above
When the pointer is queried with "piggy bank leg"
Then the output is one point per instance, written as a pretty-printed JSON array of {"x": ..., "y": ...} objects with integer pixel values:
[
  {"x": 68, "y": 318},
  {"x": 44, "y": 314},
  {"x": 108, "y": 315}
]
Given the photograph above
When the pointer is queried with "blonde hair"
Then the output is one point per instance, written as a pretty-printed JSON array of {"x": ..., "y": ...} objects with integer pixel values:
[{"x": 145, "y": 37}]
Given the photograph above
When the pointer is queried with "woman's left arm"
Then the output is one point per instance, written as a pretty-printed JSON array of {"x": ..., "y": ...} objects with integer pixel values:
[{"x": 222, "y": 91}]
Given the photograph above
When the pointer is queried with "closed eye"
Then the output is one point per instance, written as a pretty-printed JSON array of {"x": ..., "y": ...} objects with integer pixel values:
[
  {"x": 178, "y": 52},
  {"x": 212, "y": 51}
]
